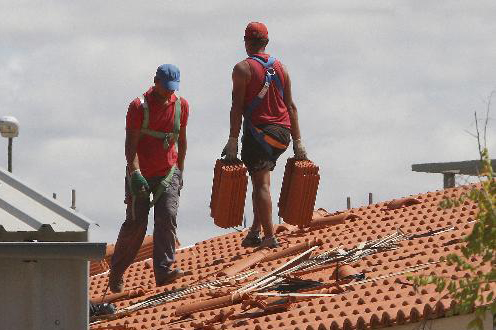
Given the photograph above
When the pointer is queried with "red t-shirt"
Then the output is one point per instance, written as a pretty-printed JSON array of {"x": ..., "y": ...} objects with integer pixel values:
[
  {"x": 272, "y": 110},
  {"x": 154, "y": 160}
]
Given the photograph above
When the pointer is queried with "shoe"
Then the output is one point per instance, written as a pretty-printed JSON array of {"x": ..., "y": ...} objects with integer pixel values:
[
  {"x": 252, "y": 239},
  {"x": 169, "y": 277},
  {"x": 116, "y": 285},
  {"x": 270, "y": 242}
]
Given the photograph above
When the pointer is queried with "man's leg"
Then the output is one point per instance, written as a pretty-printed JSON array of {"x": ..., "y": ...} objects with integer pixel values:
[
  {"x": 257, "y": 225},
  {"x": 129, "y": 241},
  {"x": 164, "y": 232},
  {"x": 262, "y": 202}
]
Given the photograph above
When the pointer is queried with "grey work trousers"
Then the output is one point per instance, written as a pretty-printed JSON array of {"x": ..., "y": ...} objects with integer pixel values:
[{"x": 133, "y": 230}]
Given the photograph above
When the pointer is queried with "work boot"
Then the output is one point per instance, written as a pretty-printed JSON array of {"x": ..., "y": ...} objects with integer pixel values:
[
  {"x": 269, "y": 242},
  {"x": 169, "y": 277},
  {"x": 116, "y": 284},
  {"x": 252, "y": 239}
]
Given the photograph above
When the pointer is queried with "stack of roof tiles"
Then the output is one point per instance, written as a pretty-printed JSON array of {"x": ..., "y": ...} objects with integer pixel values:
[
  {"x": 227, "y": 201},
  {"x": 298, "y": 192},
  {"x": 385, "y": 299}
]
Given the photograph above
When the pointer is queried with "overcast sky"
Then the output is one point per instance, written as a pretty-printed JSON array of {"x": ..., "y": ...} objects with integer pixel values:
[{"x": 380, "y": 85}]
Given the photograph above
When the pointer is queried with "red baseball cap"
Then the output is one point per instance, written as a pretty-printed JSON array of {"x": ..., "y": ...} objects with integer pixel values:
[{"x": 256, "y": 30}]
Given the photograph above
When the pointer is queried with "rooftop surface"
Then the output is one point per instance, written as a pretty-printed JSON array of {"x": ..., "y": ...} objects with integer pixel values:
[{"x": 376, "y": 292}]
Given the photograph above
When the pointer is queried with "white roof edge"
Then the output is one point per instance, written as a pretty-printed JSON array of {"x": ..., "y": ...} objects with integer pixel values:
[
  {"x": 53, "y": 250},
  {"x": 49, "y": 203}
]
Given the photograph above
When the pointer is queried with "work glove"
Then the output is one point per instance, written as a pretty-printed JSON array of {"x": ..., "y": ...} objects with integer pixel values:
[
  {"x": 299, "y": 150},
  {"x": 139, "y": 185},
  {"x": 231, "y": 149}
]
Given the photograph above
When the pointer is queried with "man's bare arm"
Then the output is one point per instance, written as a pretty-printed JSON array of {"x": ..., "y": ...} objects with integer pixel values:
[
  {"x": 292, "y": 110},
  {"x": 240, "y": 77},
  {"x": 131, "y": 147}
]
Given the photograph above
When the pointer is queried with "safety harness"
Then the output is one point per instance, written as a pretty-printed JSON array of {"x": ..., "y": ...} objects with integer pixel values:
[
  {"x": 167, "y": 137},
  {"x": 265, "y": 140}
]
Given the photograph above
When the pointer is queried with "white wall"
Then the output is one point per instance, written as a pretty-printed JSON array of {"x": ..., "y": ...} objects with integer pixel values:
[{"x": 43, "y": 294}]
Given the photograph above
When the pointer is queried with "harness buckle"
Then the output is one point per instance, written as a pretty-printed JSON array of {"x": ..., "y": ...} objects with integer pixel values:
[{"x": 271, "y": 71}]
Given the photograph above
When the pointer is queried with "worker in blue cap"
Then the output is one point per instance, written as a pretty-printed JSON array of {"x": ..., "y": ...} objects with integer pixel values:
[{"x": 155, "y": 150}]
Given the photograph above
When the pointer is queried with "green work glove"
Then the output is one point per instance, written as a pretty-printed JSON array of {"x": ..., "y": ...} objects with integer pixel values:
[{"x": 139, "y": 185}]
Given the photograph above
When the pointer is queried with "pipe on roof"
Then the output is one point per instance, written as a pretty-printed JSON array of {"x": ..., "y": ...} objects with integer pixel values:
[
  {"x": 224, "y": 301},
  {"x": 128, "y": 294},
  {"x": 243, "y": 264}
]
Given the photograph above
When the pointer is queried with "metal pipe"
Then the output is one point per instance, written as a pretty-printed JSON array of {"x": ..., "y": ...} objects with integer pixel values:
[
  {"x": 73, "y": 203},
  {"x": 170, "y": 296},
  {"x": 10, "y": 155}
]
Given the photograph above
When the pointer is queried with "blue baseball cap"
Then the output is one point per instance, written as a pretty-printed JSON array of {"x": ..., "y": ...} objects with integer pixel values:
[{"x": 168, "y": 75}]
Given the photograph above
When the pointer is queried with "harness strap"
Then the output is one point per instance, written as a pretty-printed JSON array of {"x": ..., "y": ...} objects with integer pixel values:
[
  {"x": 166, "y": 137},
  {"x": 265, "y": 140},
  {"x": 164, "y": 183},
  {"x": 270, "y": 140},
  {"x": 177, "y": 120},
  {"x": 268, "y": 66}
]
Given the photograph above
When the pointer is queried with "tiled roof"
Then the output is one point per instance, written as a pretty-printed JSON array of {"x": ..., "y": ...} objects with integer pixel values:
[
  {"x": 384, "y": 297},
  {"x": 25, "y": 214}
]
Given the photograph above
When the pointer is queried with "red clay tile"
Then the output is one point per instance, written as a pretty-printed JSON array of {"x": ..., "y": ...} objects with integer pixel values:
[
  {"x": 322, "y": 218},
  {"x": 298, "y": 192},
  {"x": 228, "y": 193},
  {"x": 402, "y": 202}
]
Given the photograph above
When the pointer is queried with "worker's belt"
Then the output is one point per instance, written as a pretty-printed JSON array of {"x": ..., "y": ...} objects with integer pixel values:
[{"x": 270, "y": 140}]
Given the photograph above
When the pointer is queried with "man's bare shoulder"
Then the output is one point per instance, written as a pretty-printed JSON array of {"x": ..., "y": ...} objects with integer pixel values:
[
  {"x": 284, "y": 68},
  {"x": 242, "y": 69}
]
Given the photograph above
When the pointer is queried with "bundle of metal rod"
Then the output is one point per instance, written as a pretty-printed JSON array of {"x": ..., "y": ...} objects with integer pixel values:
[
  {"x": 298, "y": 192},
  {"x": 387, "y": 243},
  {"x": 277, "y": 276},
  {"x": 180, "y": 293},
  {"x": 337, "y": 255},
  {"x": 317, "y": 290},
  {"x": 268, "y": 278},
  {"x": 227, "y": 201}
]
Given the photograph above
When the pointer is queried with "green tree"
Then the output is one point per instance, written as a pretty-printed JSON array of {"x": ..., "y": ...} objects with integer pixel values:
[{"x": 474, "y": 292}]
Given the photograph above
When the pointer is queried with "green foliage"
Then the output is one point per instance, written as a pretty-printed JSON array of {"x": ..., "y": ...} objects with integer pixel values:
[{"x": 473, "y": 292}]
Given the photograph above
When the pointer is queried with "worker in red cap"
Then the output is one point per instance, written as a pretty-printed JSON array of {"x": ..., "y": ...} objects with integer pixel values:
[{"x": 261, "y": 95}]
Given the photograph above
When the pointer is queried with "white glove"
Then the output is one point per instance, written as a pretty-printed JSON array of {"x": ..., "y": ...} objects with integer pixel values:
[
  {"x": 299, "y": 150},
  {"x": 231, "y": 149}
]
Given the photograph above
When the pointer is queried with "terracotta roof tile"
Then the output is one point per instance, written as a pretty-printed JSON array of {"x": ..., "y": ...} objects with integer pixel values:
[{"x": 385, "y": 297}]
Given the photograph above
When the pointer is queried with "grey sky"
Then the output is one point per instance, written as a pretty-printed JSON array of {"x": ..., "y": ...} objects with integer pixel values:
[{"x": 379, "y": 85}]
